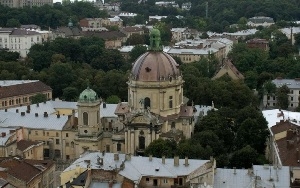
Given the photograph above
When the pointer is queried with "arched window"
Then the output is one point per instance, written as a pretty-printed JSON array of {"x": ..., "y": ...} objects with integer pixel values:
[
  {"x": 147, "y": 103},
  {"x": 85, "y": 118},
  {"x": 141, "y": 142}
]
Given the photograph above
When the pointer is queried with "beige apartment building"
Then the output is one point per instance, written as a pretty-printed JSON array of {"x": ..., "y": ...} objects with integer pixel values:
[
  {"x": 24, "y": 3},
  {"x": 15, "y": 93}
]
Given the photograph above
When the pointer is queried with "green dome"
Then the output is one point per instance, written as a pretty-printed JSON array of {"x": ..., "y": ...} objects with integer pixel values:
[{"x": 88, "y": 95}]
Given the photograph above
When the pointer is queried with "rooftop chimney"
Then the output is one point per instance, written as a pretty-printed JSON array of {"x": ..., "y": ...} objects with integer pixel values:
[
  {"x": 37, "y": 104},
  {"x": 163, "y": 160},
  {"x": 45, "y": 114},
  {"x": 5, "y": 110},
  {"x": 150, "y": 157},
  {"x": 234, "y": 170},
  {"x": 104, "y": 104},
  {"x": 128, "y": 157},
  {"x": 116, "y": 156},
  {"x": 186, "y": 161},
  {"x": 176, "y": 160},
  {"x": 27, "y": 111},
  {"x": 58, "y": 115},
  {"x": 17, "y": 110},
  {"x": 3, "y": 134},
  {"x": 22, "y": 113},
  {"x": 28, "y": 107},
  {"x": 36, "y": 114}
]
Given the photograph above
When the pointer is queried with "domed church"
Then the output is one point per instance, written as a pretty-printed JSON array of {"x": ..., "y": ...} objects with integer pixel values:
[{"x": 155, "y": 107}]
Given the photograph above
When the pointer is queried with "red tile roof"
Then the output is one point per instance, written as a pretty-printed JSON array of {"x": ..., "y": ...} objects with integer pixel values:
[
  {"x": 122, "y": 108},
  {"x": 23, "y": 89},
  {"x": 282, "y": 126}
]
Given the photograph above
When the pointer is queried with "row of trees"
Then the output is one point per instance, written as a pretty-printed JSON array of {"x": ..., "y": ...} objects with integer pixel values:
[
  {"x": 49, "y": 16},
  {"x": 236, "y": 138}
]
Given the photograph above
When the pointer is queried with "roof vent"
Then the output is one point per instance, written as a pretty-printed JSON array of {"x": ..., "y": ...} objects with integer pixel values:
[
  {"x": 22, "y": 113},
  {"x": 157, "y": 169},
  {"x": 36, "y": 114},
  {"x": 148, "y": 69},
  {"x": 17, "y": 110}
]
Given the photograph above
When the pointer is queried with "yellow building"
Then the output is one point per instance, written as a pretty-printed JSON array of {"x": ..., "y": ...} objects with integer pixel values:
[
  {"x": 18, "y": 92},
  {"x": 227, "y": 68}
]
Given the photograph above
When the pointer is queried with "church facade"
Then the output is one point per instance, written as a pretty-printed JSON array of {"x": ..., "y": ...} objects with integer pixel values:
[{"x": 155, "y": 108}]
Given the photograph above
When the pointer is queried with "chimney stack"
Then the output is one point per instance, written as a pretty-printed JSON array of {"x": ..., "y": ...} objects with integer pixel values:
[
  {"x": 45, "y": 114},
  {"x": 234, "y": 170},
  {"x": 36, "y": 114},
  {"x": 58, "y": 115},
  {"x": 5, "y": 110},
  {"x": 37, "y": 104},
  {"x": 3, "y": 134},
  {"x": 104, "y": 104},
  {"x": 28, "y": 107},
  {"x": 128, "y": 157},
  {"x": 163, "y": 160},
  {"x": 116, "y": 156},
  {"x": 22, "y": 113},
  {"x": 186, "y": 161},
  {"x": 17, "y": 110},
  {"x": 176, "y": 160},
  {"x": 150, "y": 157}
]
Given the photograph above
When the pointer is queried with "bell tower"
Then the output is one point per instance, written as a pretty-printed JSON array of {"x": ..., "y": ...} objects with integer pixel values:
[{"x": 89, "y": 127}]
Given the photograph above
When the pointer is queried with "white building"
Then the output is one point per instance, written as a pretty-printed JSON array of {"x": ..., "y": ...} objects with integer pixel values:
[
  {"x": 19, "y": 40},
  {"x": 290, "y": 32},
  {"x": 241, "y": 34},
  {"x": 158, "y": 18},
  {"x": 293, "y": 96},
  {"x": 260, "y": 21}
]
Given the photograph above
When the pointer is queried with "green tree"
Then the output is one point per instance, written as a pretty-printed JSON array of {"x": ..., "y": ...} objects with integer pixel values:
[
  {"x": 38, "y": 98},
  {"x": 70, "y": 93},
  {"x": 135, "y": 39},
  {"x": 282, "y": 97},
  {"x": 269, "y": 89},
  {"x": 161, "y": 147},
  {"x": 113, "y": 99},
  {"x": 244, "y": 158},
  {"x": 136, "y": 52},
  {"x": 13, "y": 23}
]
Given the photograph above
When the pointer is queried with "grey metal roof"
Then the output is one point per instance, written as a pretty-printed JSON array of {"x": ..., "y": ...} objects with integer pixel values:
[
  {"x": 108, "y": 161},
  {"x": 272, "y": 176},
  {"x": 96, "y": 184},
  {"x": 290, "y": 83},
  {"x": 5, "y": 130},
  {"x": 15, "y": 82},
  {"x": 226, "y": 178},
  {"x": 203, "y": 51},
  {"x": 29, "y": 120},
  {"x": 108, "y": 111},
  {"x": 139, "y": 166}
]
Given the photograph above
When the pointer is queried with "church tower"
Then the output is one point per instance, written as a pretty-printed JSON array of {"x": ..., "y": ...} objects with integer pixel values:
[
  {"x": 89, "y": 127},
  {"x": 155, "y": 100}
]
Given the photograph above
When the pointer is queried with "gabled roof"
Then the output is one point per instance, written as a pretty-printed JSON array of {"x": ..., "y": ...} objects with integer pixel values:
[
  {"x": 23, "y": 89},
  {"x": 122, "y": 108},
  {"x": 70, "y": 31},
  {"x": 25, "y": 144},
  {"x": 132, "y": 29}
]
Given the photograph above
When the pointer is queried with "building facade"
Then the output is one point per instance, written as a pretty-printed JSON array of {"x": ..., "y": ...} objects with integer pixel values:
[{"x": 24, "y": 3}]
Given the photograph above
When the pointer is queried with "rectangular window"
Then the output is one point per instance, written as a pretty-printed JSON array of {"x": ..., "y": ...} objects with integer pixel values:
[
  {"x": 107, "y": 148},
  {"x": 147, "y": 180},
  {"x": 57, "y": 135},
  {"x": 274, "y": 97},
  {"x": 165, "y": 180},
  {"x": 268, "y": 97},
  {"x": 36, "y": 133},
  {"x": 67, "y": 144},
  {"x": 67, "y": 157},
  {"x": 67, "y": 134},
  {"x": 57, "y": 141},
  {"x": 47, "y": 133},
  {"x": 292, "y": 98},
  {"x": 155, "y": 182}
]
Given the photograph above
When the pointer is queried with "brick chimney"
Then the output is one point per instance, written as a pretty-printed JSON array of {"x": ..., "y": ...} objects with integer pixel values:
[
  {"x": 186, "y": 161},
  {"x": 45, "y": 114},
  {"x": 150, "y": 157}
]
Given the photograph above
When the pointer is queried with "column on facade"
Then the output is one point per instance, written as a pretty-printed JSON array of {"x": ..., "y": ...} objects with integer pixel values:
[
  {"x": 148, "y": 137},
  {"x": 128, "y": 141},
  {"x": 153, "y": 136},
  {"x": 132, "y": 142},
  {"x": 125, "y": 145},
  {"x": 136, "y": 138}
]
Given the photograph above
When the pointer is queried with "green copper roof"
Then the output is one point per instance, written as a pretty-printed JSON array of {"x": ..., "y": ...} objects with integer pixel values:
[
  {"x": 88, "y": 95},
  {"x": 155, "y": 40}
]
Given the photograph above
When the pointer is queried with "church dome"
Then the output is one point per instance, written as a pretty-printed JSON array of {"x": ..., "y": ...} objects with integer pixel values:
[
  {"x": 155, "y": 65},
  {"x": 88, "y": 95}
]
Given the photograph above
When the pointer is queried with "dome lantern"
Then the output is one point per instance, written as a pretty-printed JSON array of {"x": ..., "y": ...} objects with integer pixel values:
[
  {"x": 88, "y": 95},
  {"x": 155, "y": 40}
]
